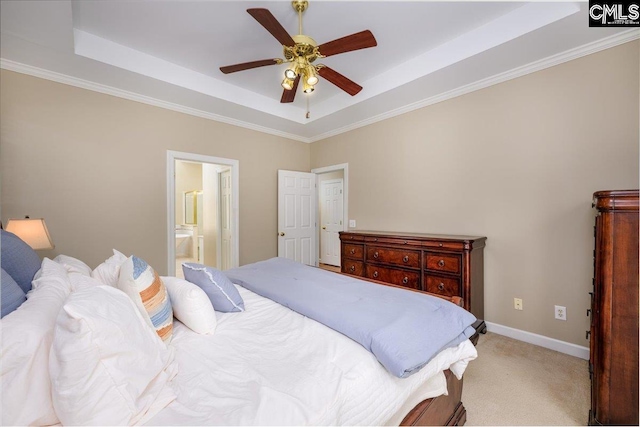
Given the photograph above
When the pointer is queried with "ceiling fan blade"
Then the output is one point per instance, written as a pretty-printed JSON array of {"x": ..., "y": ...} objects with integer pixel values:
[
  {"x": 271, "y": 24},
  {"x": 249, "y": 65},
  {"x": 361, "y": 40},
  {"x": 349, "y": 86},
  {"x": 289, "y": 95}
]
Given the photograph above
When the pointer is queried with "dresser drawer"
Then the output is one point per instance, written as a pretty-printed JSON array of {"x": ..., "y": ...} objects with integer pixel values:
[
  {"x": 399, "y": 257},
  {"x": 410, "y": 279},
  {"x": 443, "y": 244},
  {"x": 353, "y": 267},
  {"x": 449, "y": 263},
  {"x": 393, "y": 241},
  {"x": 353, "y": 251},
  {"x": 352, "y": 238},
  {"x": 448, "y": 286}
]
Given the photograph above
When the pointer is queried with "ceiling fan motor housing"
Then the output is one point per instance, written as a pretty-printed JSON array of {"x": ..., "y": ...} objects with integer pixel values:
[{"x": 305, "y": 47}]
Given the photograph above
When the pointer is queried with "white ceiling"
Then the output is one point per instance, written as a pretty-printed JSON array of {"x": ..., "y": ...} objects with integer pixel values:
[{"x": 168, "y": 53}]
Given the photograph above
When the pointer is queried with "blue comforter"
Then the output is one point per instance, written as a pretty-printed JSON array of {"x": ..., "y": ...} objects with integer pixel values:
[{"x": 403, "y": 329}]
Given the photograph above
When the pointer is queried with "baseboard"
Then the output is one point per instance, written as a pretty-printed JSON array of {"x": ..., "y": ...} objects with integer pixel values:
[{"x": 539, "y": 340}]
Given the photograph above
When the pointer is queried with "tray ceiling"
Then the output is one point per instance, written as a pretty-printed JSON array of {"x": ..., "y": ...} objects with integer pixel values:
[{"x": 169, "y": 53}]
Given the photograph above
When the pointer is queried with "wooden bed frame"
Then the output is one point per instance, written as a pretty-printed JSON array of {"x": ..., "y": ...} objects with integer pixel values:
[{"x": 444, "y": 410}]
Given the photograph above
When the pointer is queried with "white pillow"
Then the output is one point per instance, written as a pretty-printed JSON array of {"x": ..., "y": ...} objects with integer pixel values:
[
  {"x": 80, "y": 281},
  {"x": 108, "y": 271},
  {"x": 191, "y": 305},
  {"x": 52, "y": 270},
  {"x": 107, "y": 367},
  {"x": 27, "y": 334},
  {"x": 73, "y": 265}
]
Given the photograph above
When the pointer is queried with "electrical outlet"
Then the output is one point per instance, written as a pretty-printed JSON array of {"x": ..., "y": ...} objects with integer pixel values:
[
  {"x": 352, "y": 223},
  {"x": 561, "y": 312},
  {"x": 517, "y": 303}
]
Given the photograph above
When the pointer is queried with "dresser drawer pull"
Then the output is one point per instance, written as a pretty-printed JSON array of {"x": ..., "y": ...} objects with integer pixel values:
[
  {"x": 375, "y": 255},
  {"x": 405, "y": 242},
  {"x": 375, "y": 240},
  {"x": 375, "y": 274},
  {"x": 353, "y": 251},
  {"x": 441, "y": 263},
  {"x": 405, "y": 280},
  {"x": 352, "y": 268},
  {"x": 405, "y": 258},
  {"x": 439, "y": 244},
  {"x": 441, "y": 286},
  {"x": 587, "y": 335}
]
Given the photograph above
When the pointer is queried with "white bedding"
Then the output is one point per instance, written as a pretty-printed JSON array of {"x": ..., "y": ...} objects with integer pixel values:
[{"x": 272, "y": 366}]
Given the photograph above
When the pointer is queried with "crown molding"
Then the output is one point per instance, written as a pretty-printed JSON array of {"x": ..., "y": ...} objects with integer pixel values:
[
  {"x": 551, "y": 61},
  {"x": 588, "y": 49},
  {"x": 19, "y": 67}
]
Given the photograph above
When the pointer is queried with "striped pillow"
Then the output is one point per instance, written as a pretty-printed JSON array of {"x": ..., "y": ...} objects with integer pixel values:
[{"x": 143, "y": 285}]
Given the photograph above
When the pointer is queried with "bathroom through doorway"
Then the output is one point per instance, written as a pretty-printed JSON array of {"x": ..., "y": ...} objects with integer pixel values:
[{"x": 202, "y": 211}]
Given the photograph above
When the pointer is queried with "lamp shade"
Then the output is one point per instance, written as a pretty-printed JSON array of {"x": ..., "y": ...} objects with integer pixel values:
[{"x": 33, "y": 231}]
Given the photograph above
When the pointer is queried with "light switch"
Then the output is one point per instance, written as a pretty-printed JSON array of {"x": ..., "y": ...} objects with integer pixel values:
[{"x": 352, "y": 223}]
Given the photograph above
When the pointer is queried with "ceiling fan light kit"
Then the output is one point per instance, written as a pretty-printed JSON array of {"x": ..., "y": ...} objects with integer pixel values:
[
  {"x": 307, "y": 88},
  {"x": 287, "y": 83},
  {"x": 301, "y": 51}
]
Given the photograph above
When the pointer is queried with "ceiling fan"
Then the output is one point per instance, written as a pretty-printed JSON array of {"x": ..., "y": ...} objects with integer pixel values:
[{"x": 302, "y": 51}]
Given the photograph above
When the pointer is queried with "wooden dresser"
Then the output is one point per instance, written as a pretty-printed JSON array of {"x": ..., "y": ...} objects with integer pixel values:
[
  {"x": 613, "y": 363},
  {"x": 441, "y": 264}
]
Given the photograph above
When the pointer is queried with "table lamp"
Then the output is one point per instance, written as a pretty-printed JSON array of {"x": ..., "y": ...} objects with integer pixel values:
[{"x": 33, "y": 231}]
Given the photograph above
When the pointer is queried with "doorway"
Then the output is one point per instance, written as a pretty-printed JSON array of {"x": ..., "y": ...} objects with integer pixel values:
[
  {"x": 202, "y": 227},
  {"x": 333, "y": 208},
  {"x": 299, "y": 214}
]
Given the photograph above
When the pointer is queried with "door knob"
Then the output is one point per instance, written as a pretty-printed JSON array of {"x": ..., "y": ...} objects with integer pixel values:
[
  {"x": 281, "y": 234},
  {"x": 324, "y": 228}
]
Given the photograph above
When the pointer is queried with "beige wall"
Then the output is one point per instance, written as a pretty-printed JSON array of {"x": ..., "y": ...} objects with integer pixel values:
[
  {"x": 94, "y": 166},
  {"x": 517, "y": 162}
]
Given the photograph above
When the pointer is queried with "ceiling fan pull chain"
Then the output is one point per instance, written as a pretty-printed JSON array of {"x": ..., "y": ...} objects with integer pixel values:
[{"x": 308, "y": 115}]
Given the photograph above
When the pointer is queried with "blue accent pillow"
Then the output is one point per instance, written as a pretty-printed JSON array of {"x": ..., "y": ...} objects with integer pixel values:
[
  {"x": 12, "y": 295},
  {"x": 19, "y": 260},
  {"x": 223, "y": 294}
]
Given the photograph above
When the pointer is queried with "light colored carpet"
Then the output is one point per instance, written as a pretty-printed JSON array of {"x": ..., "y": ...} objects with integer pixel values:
[
  {"x": 515, "y": 383},
  {"x": 330, "y": 267}
]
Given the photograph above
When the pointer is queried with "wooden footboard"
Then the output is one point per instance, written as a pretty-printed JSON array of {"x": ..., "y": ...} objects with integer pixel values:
[{"x": 442, "y": 410}]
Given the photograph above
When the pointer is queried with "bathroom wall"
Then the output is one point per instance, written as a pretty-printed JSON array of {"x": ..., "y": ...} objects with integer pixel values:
[{"x": 188, "y": 178}]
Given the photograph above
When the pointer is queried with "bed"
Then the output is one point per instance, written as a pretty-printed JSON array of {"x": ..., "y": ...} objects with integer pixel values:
[{"x": 268, "y": 365}]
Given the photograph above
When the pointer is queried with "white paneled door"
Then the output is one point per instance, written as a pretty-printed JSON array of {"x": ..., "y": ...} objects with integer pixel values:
[
  {"x": 331, "y": 219},
  {"x": 297, "y": 216}
]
